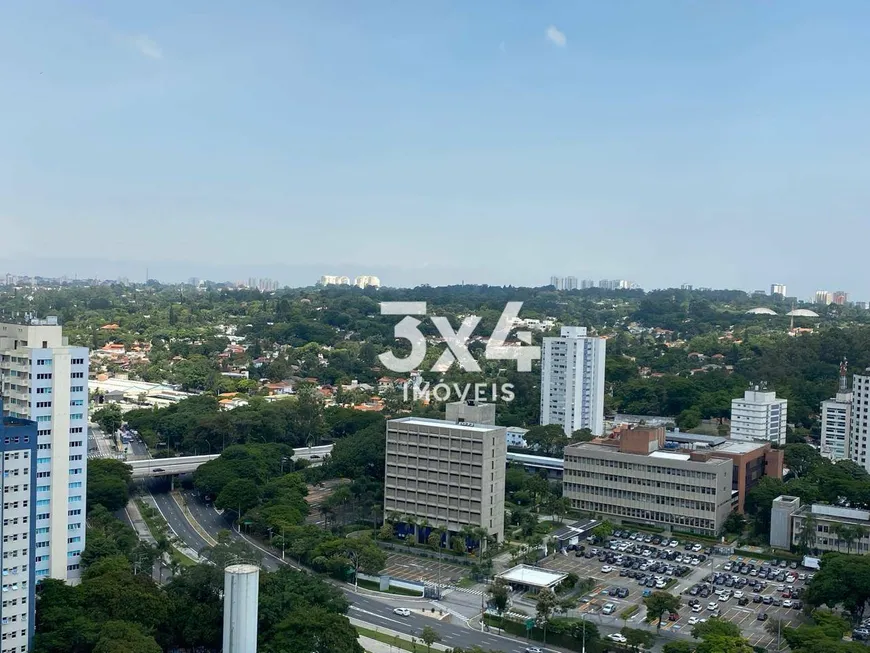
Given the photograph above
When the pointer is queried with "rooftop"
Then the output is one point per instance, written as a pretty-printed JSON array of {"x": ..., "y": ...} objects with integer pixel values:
[
  {"x": 532, "y": 576},
  {"x": 836, "y": 512},
  {"x": 738, "y": 446},
  {"x": 670, "y": 455},
  {"x": 443, "y": 423},
  {"x": 538, "y": 461}
]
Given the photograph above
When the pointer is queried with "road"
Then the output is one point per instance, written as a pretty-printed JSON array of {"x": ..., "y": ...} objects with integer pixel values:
[{"x": 372, "y": 610}]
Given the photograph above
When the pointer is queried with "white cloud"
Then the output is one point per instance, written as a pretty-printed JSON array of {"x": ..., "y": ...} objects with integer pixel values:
[
  {"x": 556, "y": 37},
  {"x": 147, "y": 47}
]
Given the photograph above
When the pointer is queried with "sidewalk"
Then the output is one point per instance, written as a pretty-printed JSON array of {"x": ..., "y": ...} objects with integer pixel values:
[{"x": 139, "y": 524}]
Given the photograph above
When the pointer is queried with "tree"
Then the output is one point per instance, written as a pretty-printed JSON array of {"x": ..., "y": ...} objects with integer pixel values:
[
  {"x": 689, "y": 419},
  {"x": 658, "y": 604},
  {"x": 677, "y": 647},
  {"x": 801, "y": 459},
  {"x": 807, "y": 535},
  {"x": 548, "y": 440},
  {"x": 760, "y": 499},
  {"x": 637, "y": 638},
  {"x": 499, "y": 594},
  {"x": 240, "y": 494},
  {"x": 109, "y": 418},
  {"x": 544, "y": 607},
  {"x": 842, "y": 580},
  {"x": 603, "y": 531},
  {"x": 125, "y": 637},
  {"x": 429, "y": 635},
  {"x": 108, "y": 484},
  {"x": 311, "y": 629},
  {"x": 582, "y": 435},
  {"x": 734, "y": 523}
]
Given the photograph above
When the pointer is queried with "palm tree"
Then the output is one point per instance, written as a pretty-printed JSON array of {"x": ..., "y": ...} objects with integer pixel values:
[
  {"x": 840, "y": 531},
  {"x": 860, "y": 532},
  {"x": 807, "y": 536}
]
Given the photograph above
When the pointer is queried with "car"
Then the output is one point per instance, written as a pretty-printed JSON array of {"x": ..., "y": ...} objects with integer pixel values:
[
  {"x": 622, "y": 593},
  {"x": 783, "y": 564},
  {"x": 158, "y": 470},
  {"x": 738, "y": 594},
  {"x": 762, "y": 616},
  {"x": 693, "y": 620},
  {"x": 619, "y": 638},
  {"x": 860, "y": 634},
  {"x": 402, "y": 612},
  {"x": 697, "y": 608},
  {"x": 793, "y": 565},
  {"x": 787, "y": 603},
  {"x": 797, "y": 605},
  {"x": 696, "y": 547},
  {"x": 712, "y": 606},
  {"x": 743, "y": 601},
  {"x": 608, "y": 608},
  {"x": 533, "y": 649},
  {"x": 606, "y": 569},
  {"x": 802, "y": 576},
  {"x": 767, "y": 600},
  {"x": 647, "y": 593},
  {"x": 673, "y": 616},
  {"x": 673, "y": 543},
  {"x": 756, "y": 598}
]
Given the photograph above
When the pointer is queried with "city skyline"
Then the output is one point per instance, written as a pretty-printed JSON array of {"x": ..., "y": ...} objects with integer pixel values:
[{"x": 695, "y": 130}]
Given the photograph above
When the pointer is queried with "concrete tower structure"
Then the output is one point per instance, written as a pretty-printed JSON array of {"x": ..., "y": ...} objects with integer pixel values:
[{"x": 241, "y": 595}]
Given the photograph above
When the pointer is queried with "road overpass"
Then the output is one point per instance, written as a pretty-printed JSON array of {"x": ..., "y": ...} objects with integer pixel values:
[{"x": 154, "y": 467}]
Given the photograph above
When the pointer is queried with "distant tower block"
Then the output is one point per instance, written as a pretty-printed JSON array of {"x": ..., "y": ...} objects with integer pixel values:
[{"x": 241, "y": 593}]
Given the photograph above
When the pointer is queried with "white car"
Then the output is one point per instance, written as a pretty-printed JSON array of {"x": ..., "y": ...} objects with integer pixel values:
[
  {"x": 696, "y": 547},
  {"x": 402, "y": 612},
  {"x": 693, "y": 620},
  {"x": 673, "y": 543},
  {"x": 724, "y": 597},
  {"x": 738, "y": 594},
  {"x": 608, "y": 608},
  {"x": 712, "y": 606},
  {"x": 786, "y": 603},
  {"x": 606, "y": 569},
  {"x": 533, "y": 649},
  {"x": 617, "y": 637},
  {"x": 697, "y": 608}
]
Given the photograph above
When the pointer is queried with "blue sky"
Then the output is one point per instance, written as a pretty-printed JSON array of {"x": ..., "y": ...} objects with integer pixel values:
[{"x": 711, "y": 142}]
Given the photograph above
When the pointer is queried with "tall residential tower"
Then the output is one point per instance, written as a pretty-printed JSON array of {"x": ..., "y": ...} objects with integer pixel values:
[
  {"x": 46, "y": 380},
  {"x": 837, "y": 421},
  {"x": 759, "y": 415},
  {"x": 572, "y": 381}
]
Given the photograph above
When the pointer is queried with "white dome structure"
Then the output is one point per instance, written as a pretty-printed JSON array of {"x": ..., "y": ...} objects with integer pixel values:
[
  {"x": 802, "y": 312},
  {"x": 760, "y": 311}
]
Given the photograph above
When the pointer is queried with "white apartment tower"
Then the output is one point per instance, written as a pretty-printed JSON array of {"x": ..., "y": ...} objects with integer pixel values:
[
  {"x": 837, "y": 421},
  {"x": 759, "y": 415},
  {"x": 46, "y": 380},
  {"x": 860, "y": 403},
  {"x": 572, "y": 381},
  {"x": 777, "y": 289}
]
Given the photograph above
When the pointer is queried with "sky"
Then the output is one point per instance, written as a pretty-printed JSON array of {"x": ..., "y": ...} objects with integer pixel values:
[{"x": 718, "y": 143}]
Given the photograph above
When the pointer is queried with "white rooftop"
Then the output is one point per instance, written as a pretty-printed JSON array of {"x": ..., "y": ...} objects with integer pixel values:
[
  {"x": 842, "y": 513},
  {"x": 670, "y": 455},
  {"x": 428, "y": 421},
  {"x": 532, "y": 576}
]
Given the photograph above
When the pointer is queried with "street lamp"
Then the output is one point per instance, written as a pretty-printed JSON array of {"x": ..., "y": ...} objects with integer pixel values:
[{"x": 354, "y": 557}]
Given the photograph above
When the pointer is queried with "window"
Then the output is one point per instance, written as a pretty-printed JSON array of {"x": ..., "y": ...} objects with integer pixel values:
[
  {"x": 43, "y": 488},
  {"x": 43, "y": 391},
  {"x": 46, "y": 432},
  {"x": 77, "y": 388},
  {"x": 73, "y": 513},
  {"x": 76, "y": 498},
  {"x": 77, "y": 361},
  {"x": 41, "y": 503},
  {"x": 75, "y": 485},
  {"x": 76, "y": 402},
  {"x": 42, "y": 530},
  {"x": 76, "y": 415},
  {"x": 77, "y": 429},
  {"x": 43, "y": 376},
  {"x": 73, "y": 540},
  {"x": 43, "y": 361},
  {"x": 77, "y": 375},
  {"x": 43, "y": 418},
  {"x": 43, "y": 461},
  {"x": 75, "y": 470},
  {"x": 75, "y": 443},
  {"x": 73, "y": 554},
  {"x": 77, "y": 456},
  {"x": 43, "y": 404}
]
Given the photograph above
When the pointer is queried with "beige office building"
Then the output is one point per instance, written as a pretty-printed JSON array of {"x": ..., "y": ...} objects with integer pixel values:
[
  {"x": 633, "y": 478},
  {"x": 445, "y": 475}
]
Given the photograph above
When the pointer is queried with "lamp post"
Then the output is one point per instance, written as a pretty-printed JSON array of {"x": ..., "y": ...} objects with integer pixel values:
[
  {"x": 283, "y": 542},
  {"x": 354, "y": 557}
]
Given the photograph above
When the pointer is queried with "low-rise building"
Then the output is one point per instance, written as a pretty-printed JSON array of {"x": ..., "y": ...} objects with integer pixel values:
[
  {"x": 781, "y": 511},
  {"x": 634, "y": 478},
  {"x": 820, "y": 528}
]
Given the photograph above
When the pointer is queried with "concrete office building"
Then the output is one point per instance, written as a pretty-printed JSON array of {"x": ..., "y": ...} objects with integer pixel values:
[
  {"x": 46, "y": 380},
  {"x": 846, "y": 530},
  {"x": 759, "y": 415},
  {"x": 450, "y": 475},
  {"x": 634, "y": 478},
  {"x": 470, "y": 410},
  {"x": 572, "y": 381},
  {"x": 781, "y": 512},
  {"x": 837, "y": 421},
  {"x": 858, "y": 431},
  {"x": 18, "y": 442}
]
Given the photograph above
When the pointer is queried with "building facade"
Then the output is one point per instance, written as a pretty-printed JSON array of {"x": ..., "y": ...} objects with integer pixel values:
[
  {"x": 823, "y": 528},
  {"x": 634, "y": 479},
  {"x": 837, "y": 421},
  {"x": 858, "y": 431},
  {"x": 18, "y": 441},
  {"x": 759, "y": 415},
  {"x": 470, "y": 410},
  {"x": 446, "y": 475},
  {"x": 46, "y": 380},
  {"x": 572, "y": 381},
  {"x": 777, "y": 289},
  {"x": 781, "y": 511}
]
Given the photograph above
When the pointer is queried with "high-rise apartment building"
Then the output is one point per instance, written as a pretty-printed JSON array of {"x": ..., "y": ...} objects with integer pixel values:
[
  {"x": 366, "y": 281},
  {"x": 569, "y": 283},
  {"x": 840, "y": 297},
  {"x": 18, "y": 443},
  {"x": 556, "y": 282},
  {"x": 447, "y": 474},
  {"x": 759, "y": 415},
  {"x": 572, "y": 381},
  {"x": 860, "y": 404},
  {"x": 777, "y": 289},
  {"x": 587, "y": 283},
  {"x": 837, "y": 421},
  {"x": 823, "y": 297},
  {"x": 46, "y": 380}
]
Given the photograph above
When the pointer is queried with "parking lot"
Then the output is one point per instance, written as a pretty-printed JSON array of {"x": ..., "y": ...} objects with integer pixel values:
[
  {"x": 681, "y": 568},
  {"x": 418, "y": 569}
]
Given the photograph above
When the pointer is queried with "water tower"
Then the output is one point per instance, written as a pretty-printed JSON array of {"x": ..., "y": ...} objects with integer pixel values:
[{"x": 241, "y": 593}]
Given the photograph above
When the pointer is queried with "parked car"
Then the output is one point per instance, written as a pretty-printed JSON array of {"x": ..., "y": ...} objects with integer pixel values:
[
  {"x": 608, "y": 608},
  {"x": 402, "y": 612},
  {"x": 617, "y": 637},
  {"x": 762, "y": 616}
]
